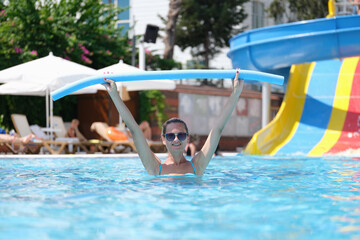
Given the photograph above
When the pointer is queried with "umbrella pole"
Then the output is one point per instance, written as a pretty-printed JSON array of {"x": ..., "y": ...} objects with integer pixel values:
[
  {"x": 47, "y": 107},
  {"x": 51, "y": 119}
]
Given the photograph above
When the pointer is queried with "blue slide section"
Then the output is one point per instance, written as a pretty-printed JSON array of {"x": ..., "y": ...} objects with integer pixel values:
[
  {"x": 317, "y": 108},
  {"x": 274, "y": 49}
]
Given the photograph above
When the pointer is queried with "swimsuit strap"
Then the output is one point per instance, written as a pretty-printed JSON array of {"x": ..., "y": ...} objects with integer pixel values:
[
  {"x": 160, "y": 168},
  {"x": 193, "y": 167}
]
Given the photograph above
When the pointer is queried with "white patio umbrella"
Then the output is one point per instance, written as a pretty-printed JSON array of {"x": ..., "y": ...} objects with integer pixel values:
[
  {"x": 41, "y": 76},
  {"x": 122, "y": 67}
]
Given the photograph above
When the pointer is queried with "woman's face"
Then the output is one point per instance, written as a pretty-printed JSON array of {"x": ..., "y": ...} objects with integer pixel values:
[{"x": 176, "y": 144}]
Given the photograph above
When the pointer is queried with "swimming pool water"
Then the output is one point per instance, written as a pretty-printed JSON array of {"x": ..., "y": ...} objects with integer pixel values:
[{"x": 240, "y": 197}]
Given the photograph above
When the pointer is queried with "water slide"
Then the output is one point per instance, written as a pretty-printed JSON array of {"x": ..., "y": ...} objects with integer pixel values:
[{"x": 320, "y": 113}]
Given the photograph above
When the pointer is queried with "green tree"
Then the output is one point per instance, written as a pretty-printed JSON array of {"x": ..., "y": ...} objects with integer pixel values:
[
  {"x": 156, "y": 62},
  {"x": 170, "y": 28},
  {"x": 152, "y": 105},
  {"x": 82, "y": 31},
  {"x": 207, "y": 25},
  {"x": 302, "y": 9}
]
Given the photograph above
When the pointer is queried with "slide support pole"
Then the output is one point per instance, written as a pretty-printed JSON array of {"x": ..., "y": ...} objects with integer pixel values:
[{"x": 266, "y": 100}]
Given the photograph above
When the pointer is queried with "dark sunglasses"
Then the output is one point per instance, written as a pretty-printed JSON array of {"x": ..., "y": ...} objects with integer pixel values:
[{"x": 171, "y": 136}]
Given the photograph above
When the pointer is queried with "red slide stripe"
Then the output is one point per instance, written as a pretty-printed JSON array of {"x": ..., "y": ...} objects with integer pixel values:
[{"x": 350, "y": 135}]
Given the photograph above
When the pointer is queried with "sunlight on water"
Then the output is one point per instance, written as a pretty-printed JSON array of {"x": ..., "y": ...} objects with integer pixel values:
[{"x": 242, "y": 197}]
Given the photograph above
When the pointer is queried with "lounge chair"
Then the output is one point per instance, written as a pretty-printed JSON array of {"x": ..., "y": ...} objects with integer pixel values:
[
  {"x": 85, "y": 145},
  {"x": 118, "y": 146},
  {"x": 23, "y": 128},
  {"x": 109, "y": 145},
  {"x": 18, "y": 145},
  {"x": 157, "y": 146},
  {"x": 7, "y": 146}
]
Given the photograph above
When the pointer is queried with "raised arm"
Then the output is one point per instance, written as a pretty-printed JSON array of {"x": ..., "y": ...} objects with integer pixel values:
[
  {"x": 202, "y": 159},
  {"x": 148, "y": 158}
]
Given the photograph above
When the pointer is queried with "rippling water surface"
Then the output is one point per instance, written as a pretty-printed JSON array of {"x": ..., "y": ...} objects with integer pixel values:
[{"x": 242, "y": 197}]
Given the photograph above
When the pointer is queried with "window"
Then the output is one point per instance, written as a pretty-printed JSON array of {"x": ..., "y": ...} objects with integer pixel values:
[
  {"x": 125, "y": 26},
  {"x": 257, "y": 14},
  {"x": 125, "y": 15}
]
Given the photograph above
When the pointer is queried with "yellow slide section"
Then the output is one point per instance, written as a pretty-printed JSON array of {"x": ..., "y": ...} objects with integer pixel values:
[{"x": 279, "y": 131}]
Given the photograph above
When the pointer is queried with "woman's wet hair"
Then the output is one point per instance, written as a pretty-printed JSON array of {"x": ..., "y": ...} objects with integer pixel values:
[{"x": 173, "y": 120}]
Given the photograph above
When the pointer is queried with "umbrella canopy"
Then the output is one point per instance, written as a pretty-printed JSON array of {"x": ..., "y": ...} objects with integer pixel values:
[
  {"x": 24, "y": 88},
  {"x": 52, "y": 71},
  {"x": 122, "y": 67}
]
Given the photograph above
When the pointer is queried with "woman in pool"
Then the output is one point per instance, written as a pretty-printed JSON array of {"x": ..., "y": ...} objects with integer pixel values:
[{"x": 175, "y": 136}]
